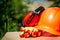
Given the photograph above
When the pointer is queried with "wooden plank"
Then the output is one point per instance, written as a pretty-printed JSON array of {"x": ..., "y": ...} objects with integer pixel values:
[
  {"x": 15, "y": 36},
  {"x": 11, "y": 36}
]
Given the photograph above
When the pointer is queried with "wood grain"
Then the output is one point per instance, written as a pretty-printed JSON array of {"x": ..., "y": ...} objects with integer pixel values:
[{"x": 15, "y": 36}]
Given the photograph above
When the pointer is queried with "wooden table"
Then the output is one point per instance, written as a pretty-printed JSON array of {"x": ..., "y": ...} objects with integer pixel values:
[{"x": 15, "y": 36}]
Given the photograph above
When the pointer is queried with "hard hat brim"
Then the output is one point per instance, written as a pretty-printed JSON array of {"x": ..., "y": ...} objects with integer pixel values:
[{"x": 48, "y": 29}]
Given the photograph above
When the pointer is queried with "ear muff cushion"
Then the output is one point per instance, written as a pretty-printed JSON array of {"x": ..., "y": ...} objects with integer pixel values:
[{"x": 32, "y": 22}]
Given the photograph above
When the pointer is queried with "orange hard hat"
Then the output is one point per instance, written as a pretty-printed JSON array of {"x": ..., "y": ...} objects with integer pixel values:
[{"x": 50, "y": 21}]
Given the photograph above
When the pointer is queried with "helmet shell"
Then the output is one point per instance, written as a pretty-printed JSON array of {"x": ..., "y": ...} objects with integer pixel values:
[{"x": 50, "y": 20}]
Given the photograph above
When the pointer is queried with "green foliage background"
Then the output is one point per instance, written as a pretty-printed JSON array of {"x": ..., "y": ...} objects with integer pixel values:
[
  {"x": 56, "y": 3},
  {"x": 12, "y": 13}
]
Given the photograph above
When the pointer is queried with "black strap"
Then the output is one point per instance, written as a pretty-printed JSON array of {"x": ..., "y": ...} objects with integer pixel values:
[{"x": 39, "y": 9}]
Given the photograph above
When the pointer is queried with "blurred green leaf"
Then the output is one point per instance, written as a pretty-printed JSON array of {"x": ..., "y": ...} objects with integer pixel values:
[
  {"x": 11, "y": 15},
  {"x": 56, "y": 3}
]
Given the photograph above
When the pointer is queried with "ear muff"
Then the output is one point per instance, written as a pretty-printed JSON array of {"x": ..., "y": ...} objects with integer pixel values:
[{"x": 32, "y": 17}]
